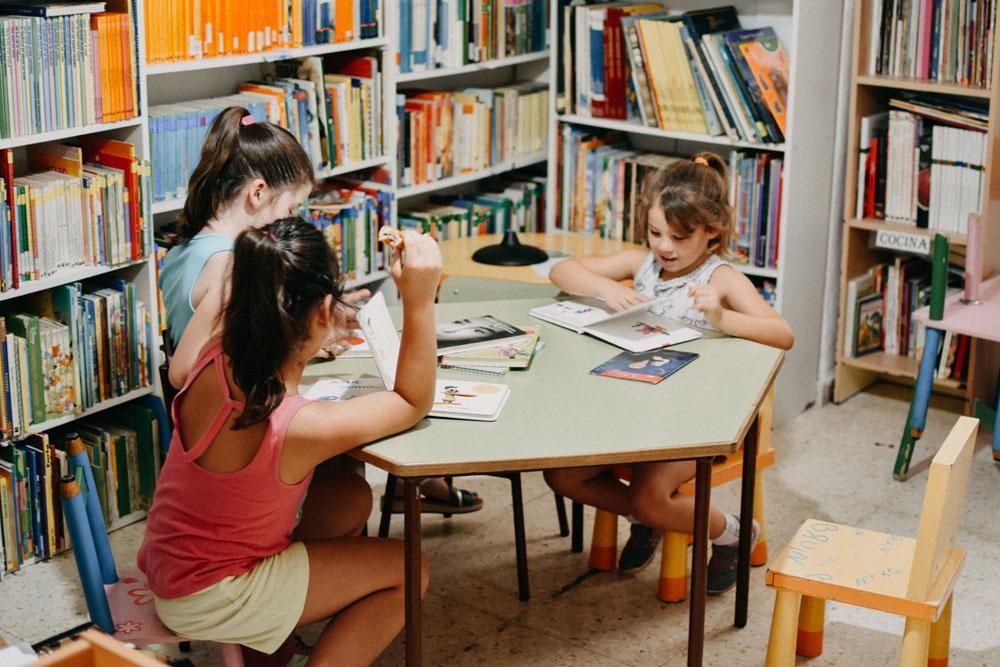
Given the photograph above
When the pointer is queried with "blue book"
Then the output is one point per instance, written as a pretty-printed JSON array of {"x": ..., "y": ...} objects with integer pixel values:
[{"x": 733, "y": 40}]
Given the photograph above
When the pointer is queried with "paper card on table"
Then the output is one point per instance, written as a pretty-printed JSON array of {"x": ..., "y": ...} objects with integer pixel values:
[
  {"x": 653, "y": 366},
  {"x": 343, "y": 388}
]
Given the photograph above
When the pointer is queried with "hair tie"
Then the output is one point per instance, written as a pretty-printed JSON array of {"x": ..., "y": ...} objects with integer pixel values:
[
  {"x": 247, "y": 120},
  {"x": 700, "y": 160},
  {"x": 269, "y": 234}
]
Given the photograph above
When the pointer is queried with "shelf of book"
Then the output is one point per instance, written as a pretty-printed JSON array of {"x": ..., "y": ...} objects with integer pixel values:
[
  {"x": 509, "y": 165},
  {"x": 441, "y": 72},
  {"x": 92, "y": 410},
  {"x": 66, "y": 276},
  {"x": 922, "y": 86},
  {"x": 200, "y": 64},
  {"x": 758, "y": 271},
  {"x": 897, "y": 150},
  {"x": 69, "y": 132},
  {"x": 636, "y": 128}
]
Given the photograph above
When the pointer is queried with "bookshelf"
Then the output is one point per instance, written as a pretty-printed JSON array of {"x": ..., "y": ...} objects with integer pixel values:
[
  {"x": 807, "y": 152},
  {"x": 870, "y": 93}
]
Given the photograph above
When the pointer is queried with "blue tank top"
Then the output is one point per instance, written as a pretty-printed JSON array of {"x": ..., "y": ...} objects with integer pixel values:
[{"x": 180, "y": 271}]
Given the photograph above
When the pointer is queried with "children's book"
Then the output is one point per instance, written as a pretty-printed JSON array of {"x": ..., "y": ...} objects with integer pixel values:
[
  {"x": 357, "y": 346},
  {"x": 868, "y": 320},
  {"x": 653, "y": 366},
  {"x": 343, "y": 388},
  {"x": 455, "y": 399},
  {"x": 473, "y": 333},
  {"x": 512, "y": 353},
  {"x": 634, "y": 329}
]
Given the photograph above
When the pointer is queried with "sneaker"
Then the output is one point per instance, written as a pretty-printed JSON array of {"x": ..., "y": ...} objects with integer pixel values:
[
  {"x": 722, "y": 564},
  {"x": 639, "y": 549}
]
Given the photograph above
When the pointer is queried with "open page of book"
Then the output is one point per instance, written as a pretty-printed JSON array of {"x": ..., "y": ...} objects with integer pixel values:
[
  {"x": 383, "y": 340},
  {"x": 642, "y": 331},
  {"x": 343, "y": 388},
  {"x": 581, "y": 312}
]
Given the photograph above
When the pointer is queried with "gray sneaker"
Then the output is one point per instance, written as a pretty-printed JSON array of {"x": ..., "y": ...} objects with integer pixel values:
[{"x": 722, "y": 564}]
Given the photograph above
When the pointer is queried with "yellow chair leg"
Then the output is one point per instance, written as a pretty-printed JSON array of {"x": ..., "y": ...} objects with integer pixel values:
[
  {"x": 604, "y": 545},
  {"x": 916, "y": 643},
  {"x": 940, "y": 638},
  {"x": 812, "y": 613},
  {"x": 781, "y": 645},
  {"x": 758, "y": 556},
  {"x": 673, "y": 568}
]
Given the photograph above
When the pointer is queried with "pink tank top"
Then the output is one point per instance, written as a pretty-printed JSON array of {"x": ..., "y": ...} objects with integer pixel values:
[{"x": 205, "y": 526}]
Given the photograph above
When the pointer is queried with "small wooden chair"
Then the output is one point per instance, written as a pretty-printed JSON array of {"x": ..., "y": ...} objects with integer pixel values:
[
  {"x": 912, "y": 578},
  {"x": 119, "y": 601}
]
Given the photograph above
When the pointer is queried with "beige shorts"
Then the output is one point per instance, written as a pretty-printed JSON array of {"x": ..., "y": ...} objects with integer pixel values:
[{"x": 258, "y": 609}]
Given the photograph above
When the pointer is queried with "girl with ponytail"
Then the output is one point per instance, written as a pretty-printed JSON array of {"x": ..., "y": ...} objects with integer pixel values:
[
  {"x": 688, "y": 222},
  {"x": 225, "y": 553}
]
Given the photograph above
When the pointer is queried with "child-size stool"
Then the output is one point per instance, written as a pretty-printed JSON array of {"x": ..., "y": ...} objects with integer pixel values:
[{"x": 673, "y": 562}]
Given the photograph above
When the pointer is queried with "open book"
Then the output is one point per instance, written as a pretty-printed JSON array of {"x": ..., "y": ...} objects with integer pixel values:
[
  {"x": 455, "y": 399},
  {"x": 634, "y": 329}
]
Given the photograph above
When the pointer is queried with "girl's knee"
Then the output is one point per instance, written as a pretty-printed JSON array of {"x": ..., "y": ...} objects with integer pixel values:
[
  {"x": 360, "y": 492},
  {"x": 646, "y": 503},
  {"x": 557, "y": 479}
]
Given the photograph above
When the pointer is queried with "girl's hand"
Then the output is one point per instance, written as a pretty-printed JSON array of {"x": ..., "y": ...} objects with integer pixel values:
[
  {"x": 707, "y": 300},
  {"x": 620, "y": 297},
  {"x": 417, "y": 274}
]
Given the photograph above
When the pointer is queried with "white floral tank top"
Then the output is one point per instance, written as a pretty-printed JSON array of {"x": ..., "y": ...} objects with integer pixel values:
[{"x": 677, "y": 304}]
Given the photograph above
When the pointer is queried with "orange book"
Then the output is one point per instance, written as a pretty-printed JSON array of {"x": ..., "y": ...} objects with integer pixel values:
[
  {"x": 119, "y": 155},
  {"x": 343, "y": 22},
  {"x": 97, "y": 24},
  {"x": 296, "y": 23},
  {"x": 128, "y": 58},
  {"x": 277, "y": 103}
]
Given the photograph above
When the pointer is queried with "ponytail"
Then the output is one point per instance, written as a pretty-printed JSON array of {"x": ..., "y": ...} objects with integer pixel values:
[
  {"x": 238, "y": 149},
  {"x": 280, "y": 273},
  {"x": 691, "y": 193}
]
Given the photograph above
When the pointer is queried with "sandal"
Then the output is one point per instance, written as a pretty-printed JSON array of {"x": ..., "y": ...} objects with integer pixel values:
[{"x": 461, "y": 501}]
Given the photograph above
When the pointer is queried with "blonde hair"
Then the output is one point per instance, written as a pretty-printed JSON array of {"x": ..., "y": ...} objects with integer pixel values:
[{"x": 691, "y": 193}]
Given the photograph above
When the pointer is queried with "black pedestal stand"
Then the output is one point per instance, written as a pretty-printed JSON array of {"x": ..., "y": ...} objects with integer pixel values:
[{"x": 510, "y": 252}]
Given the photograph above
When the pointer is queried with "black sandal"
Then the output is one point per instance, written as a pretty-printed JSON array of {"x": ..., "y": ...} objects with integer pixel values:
[{"x": 461, "y": 501}]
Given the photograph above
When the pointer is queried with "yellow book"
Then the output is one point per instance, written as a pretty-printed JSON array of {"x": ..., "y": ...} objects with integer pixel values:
[
  {"x": 652, "y": 40},
  {"x": 690, "y": 116}
]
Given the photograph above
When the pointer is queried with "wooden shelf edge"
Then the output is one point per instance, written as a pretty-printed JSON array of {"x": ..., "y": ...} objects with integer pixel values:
[
  {"x": 874, "y": 225},
  {"x": 899, "y": 367},
  {"x": 921, "y": 86}
]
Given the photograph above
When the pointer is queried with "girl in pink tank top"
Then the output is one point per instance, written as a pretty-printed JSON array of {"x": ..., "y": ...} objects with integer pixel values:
[{"x": 225, "y": 553}]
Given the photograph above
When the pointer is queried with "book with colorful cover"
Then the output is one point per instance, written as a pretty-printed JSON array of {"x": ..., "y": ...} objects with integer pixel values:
[
  {"x": 634, "y": 329},
  {"x": 455, "y": 399},
  {"x": 473, "y": 333},
  {"x": 653, "y": 366},
  {"x": 512, "y": 353}
]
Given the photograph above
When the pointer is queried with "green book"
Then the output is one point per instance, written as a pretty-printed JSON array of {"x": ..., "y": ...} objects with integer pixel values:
[
  {"x": 26, "y": 326},
  {"x": 143, "y": 422}
]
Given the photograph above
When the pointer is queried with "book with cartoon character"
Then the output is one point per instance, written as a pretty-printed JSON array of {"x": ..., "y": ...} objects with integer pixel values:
[
  {"x": 455, "y": 399},
  {"x": 653, "y": 366},
  {"x": 634, "y": 329}
]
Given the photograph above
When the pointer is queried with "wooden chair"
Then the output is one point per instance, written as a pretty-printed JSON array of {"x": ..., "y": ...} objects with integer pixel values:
[
  {"x": 119, "y": 601},
  {"x": 912, "y": 578}
]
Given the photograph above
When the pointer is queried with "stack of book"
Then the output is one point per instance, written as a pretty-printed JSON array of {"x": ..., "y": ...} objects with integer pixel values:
[
  {"x": 950, "y": 42},
  {"x": 922, "y": 163},
  {"x": 88, "y": 205},
  {"x": 335, "y": 112},
  {"x": 755, "y": 195},
  {"x": 209, "y": 28},
  {"x": 696, "y": 71},
  {"x": 67, "y": 70},
  {"x": 350, "y": 214},
  {"x": 508, "y": 202},
  {"x": 124, "y": 449},
  {"x": 450, "y": 133},
  {"x": 452, "y": 33}
]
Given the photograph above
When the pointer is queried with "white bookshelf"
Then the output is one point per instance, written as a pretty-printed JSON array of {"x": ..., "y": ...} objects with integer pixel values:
[
  {"x": 810, "y": 34},
  {"x": 487, "y": 66}
]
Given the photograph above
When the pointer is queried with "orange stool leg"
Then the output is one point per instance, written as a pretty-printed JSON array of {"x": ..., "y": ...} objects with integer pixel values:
[
  {"x": 758, "y": 556},
  {"x": 604, "y": 544},
  {"x": 812, "y": 613},
  {"x": 673, "y": 568},
  {"x": 941, "y": 638}
]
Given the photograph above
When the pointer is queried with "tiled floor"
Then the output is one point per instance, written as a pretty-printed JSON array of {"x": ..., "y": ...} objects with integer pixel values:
[{"x": 833, "y": 463}]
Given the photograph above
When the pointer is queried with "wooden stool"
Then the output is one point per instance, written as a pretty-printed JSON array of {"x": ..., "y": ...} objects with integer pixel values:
[
  {"x": 900, "y": 575},
  {"x": 673, "y": 563}
]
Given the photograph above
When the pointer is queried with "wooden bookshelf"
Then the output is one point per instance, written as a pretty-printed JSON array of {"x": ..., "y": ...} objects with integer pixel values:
[
  {"x": 808, "y": 154},
  {"x": 869, "y": 94}
]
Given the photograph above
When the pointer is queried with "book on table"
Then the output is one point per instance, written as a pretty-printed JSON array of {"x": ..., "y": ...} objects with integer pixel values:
[
  {"x": 634, "y": 329},
  {"x": 454, "y": 399},
  {"x": 512, "y": 353},
  {"x": 653, "y": 366},
  {"x": 474, "y": 333}
]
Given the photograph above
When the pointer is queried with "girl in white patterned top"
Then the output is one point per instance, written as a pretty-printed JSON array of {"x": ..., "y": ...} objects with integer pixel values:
[{"x": 688, "y": 224}]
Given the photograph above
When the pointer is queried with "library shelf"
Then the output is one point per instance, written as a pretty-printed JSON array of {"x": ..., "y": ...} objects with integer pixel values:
[
  {"x": 92, "y": 410},
  {"x": 508, "y": 165},
  {"x": 636, "y": 128},
  {"x": 199, "y": 64},
  {"x": 758, "y": 271},
  {"x": 65, "y": 276},
  {"x": 875, "y": 225},
  {"x": 901, "y": 367},
  {"x": 437, "y": 73},
  {"x": 922, "y": 86},
  {"x": 68, "y": 132}
]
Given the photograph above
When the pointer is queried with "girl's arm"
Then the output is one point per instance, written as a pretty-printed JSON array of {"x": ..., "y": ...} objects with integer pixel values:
[
  {"x": 323, "y": 429},
  {"x": 600, "y": 276},
  {"x": 209, "y": 298},
  {"x": 731, "y": 303}
]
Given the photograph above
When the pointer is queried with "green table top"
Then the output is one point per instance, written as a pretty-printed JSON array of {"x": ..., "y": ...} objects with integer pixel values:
[{"x": 560, "y": 415}]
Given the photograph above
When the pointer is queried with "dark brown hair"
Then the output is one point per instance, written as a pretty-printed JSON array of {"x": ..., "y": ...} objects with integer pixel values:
[
  {"x": 280, "y": 272},
  {"x": 691, "y": 193},
  {"x": 233, "y": 154}
]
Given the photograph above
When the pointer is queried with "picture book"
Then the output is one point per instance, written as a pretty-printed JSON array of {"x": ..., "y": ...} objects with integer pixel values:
[
  {"x": 473, "y": 333},
  {"x": 343, "y": 388},
  {"x": 512, "y": 353},
  {"x": 355, "y": 346},
  {"x": 634, "y": 329},
  {"x": 868, "y": 320},
  {"x": 455, "y": 399},
  {"x": 652, "y": 367}
]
